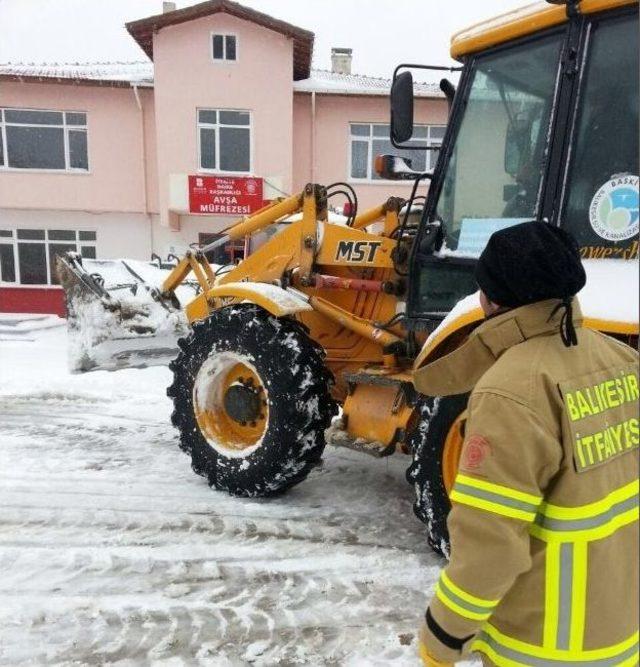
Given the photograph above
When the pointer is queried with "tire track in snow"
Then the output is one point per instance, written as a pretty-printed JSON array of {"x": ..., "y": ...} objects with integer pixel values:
[{"x": 112, "y": 551}]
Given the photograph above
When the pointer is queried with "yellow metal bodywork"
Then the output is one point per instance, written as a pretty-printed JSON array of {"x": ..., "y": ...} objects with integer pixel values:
[
  {"x": 334, "y": 235},
  {"x": 344, "y": 321},
  {"x": 377, "y": 414},
  {"x": 276, "y": 301},
  {"x": 451, "y": 451},
  {"x": 349, "y": 323},
  {"x": 521, "y": 22},
  {"x": 192, "y": 262}
]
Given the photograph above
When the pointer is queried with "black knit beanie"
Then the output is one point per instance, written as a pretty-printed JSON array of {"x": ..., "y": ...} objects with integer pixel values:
[{"x": 530, "y": 262}]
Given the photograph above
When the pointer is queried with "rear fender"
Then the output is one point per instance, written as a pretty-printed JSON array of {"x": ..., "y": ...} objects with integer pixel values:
[
  {"x": 454, "y": 333},
  {"x": 448, "y": 336}
]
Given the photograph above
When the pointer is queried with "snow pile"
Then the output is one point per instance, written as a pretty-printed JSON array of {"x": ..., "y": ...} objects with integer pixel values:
[
  {"x": 118, "y": 279},
  {"x": 130, "y": 327},
  {"x": 139, "y": 332}
]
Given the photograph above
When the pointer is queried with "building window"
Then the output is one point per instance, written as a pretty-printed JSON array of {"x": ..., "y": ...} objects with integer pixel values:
[
  {"x": 224, "y": 48},
  {"x": 224, "y": 139},
  {"x": 28, "y": 256},
  {"x": 368, "y": 140},
  {"x": 37, "y": 139}
]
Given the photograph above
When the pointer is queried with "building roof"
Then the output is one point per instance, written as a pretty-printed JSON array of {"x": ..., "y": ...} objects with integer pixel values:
[
  {"x": 114, "y": 74},
  {"x": 142, "y": 30},
  {"x": 140, "y": 73},
  {"x": 332, "y": 83}
]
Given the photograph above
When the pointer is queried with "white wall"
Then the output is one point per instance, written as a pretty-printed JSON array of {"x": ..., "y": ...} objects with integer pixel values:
[
  {"x": 118, "y": 234},
  {"x": 167, "y": 240}
]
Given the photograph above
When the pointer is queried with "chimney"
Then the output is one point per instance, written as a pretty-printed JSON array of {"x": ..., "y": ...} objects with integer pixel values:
[
  {"x": 341, "y": 60},
  {"x": 168, "y": 7}
]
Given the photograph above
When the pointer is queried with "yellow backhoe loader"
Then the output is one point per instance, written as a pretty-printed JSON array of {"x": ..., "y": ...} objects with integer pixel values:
[{"x": 543, "y": 125}]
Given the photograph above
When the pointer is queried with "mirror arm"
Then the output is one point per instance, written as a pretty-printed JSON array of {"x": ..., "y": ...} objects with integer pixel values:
[
  {"x": 449, "y": 91},
  {"x": 433, "y": 68}
]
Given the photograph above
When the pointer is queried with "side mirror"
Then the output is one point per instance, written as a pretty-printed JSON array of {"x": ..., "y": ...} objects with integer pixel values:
[{"x": 402, "y": 108}]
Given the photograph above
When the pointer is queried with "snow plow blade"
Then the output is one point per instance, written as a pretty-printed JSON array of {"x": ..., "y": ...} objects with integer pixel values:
[{"x": 116, "y": 316}]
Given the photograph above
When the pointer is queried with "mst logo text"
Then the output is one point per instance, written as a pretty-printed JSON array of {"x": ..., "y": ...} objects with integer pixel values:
[{"x": 357, "y": 251}]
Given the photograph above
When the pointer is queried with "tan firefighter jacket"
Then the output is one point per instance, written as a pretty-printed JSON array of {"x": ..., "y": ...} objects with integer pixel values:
[{"x": 544, "y": 519}]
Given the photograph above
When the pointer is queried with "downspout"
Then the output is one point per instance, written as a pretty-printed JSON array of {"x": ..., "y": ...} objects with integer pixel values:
[
  {"x": 136, "y": 94},
  {"x": 313, "y": 137}
]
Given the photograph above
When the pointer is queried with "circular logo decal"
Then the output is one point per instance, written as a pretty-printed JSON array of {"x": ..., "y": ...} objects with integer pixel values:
[
  {"x": 613, "y": 212},
  {"x": 476, "y": 450}
]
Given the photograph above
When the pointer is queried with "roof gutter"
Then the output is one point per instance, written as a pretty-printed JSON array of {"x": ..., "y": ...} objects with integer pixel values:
[
  {"x": 145, "y": 189},
  {"x": 313, "y": 137}
]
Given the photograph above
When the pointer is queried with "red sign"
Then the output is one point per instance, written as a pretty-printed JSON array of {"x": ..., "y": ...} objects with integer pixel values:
[{"x": 224, "y": 195}]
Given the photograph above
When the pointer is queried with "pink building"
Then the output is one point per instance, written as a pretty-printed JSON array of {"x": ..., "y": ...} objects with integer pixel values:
[{"x": 110, "y": 158}]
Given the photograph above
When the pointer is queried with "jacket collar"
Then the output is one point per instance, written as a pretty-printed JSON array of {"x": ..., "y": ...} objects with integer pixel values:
[{"x": 459, "y": 371}]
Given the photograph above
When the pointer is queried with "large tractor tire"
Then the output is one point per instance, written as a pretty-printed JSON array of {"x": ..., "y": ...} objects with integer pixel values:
[
  {"x": 251, "y": 401},
  {"x": 436, "y": 445}
]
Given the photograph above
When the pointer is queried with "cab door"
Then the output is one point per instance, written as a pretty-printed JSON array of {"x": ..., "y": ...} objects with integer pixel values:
[
  {"x": 491, "y": 172},
  {"x": 597, "y": 198}
]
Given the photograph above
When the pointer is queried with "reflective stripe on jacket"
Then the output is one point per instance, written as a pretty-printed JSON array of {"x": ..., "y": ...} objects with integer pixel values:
[{"x": 544, "y": 519}]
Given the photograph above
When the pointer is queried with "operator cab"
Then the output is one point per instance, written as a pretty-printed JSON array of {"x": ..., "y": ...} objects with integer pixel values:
[{"x": 543, "y": 126}]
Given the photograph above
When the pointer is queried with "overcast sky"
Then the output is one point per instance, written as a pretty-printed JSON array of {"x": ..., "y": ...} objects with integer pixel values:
[{"x": 381, "y": 33}]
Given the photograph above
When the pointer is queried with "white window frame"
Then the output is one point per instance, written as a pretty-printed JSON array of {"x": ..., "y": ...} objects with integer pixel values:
[
  {"x": 216, "y": 126},
  {"x": 14, "y": 241},
  {"x": 224, "y": 35},
  {"x": 66, "y": 128},
  {"x": 429, "y": 141}
]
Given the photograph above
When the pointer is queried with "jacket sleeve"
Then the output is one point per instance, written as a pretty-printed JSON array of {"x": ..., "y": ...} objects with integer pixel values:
[{"x": 508, "y": 458}]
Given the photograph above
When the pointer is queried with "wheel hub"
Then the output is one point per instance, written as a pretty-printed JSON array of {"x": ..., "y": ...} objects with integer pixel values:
[
  {"x": 230, "y": 404},
  {"x": 243, "y": 403}
]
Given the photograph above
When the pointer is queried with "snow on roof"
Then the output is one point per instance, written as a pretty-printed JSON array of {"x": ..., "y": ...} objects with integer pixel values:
[
  {"x": 98, "y": 73},
  {"x": 333, "y": 83},
  {"x": 140, "y": 72}
]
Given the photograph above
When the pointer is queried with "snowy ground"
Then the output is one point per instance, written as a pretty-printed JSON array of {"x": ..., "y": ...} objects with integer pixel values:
[{"x": 113, "y": 551}]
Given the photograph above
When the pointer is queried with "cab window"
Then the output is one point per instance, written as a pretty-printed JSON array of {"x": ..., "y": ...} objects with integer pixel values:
[
  {"x": 494, "y": 174},
  {"x": 602, "y": 189}
]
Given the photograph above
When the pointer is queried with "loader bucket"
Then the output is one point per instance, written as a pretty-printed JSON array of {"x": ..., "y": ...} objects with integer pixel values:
[{"x": 116, "y": 317}]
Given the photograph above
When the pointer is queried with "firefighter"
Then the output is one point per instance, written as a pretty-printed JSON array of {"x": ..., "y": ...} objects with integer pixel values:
[{"x": 543, "y": 528}]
